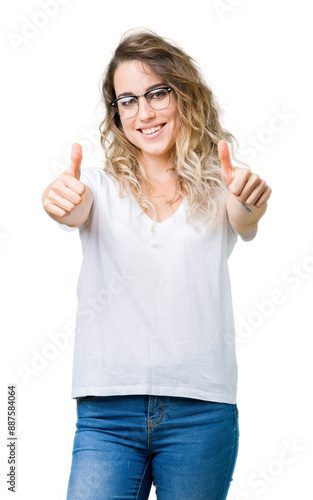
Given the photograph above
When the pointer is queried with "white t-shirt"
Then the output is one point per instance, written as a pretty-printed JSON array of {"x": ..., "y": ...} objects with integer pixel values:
[{"x": 154, "y": 308}]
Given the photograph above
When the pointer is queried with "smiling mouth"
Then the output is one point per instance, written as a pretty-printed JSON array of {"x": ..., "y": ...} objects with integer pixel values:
[{"x": 152, "y": 130}]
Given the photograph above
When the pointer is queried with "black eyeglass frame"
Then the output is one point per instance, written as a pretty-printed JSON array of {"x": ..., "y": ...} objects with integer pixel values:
[{"x": 114, "y": 103}]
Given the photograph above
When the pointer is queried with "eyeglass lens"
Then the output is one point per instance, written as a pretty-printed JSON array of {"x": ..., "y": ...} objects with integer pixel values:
[{"x": 156, "y": 98}]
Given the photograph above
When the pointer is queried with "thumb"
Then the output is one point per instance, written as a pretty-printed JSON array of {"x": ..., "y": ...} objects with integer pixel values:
[
  {"x": 76, "y": 159},
  {"x": 228, "y": 171}
]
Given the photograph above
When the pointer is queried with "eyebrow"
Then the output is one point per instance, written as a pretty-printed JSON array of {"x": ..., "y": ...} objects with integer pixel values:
[{"x": 155, "y": 86}]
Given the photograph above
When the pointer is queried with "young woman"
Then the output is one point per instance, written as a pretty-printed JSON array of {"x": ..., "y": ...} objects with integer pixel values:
[{"x": 155, "y": 373}]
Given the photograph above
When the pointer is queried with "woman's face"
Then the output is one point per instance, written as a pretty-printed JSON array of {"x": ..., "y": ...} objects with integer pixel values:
[{"x": 135, "y": 78}]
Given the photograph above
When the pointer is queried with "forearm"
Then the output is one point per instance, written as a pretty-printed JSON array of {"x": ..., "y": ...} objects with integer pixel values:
[{"x": 240, "y": 219}]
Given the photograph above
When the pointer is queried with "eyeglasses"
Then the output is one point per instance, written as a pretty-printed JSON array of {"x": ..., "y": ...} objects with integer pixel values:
[{"x": 128, "y": 106}]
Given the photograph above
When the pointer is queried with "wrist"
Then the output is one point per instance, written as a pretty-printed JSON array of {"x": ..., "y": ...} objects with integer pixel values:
[{"x": 240, "y": 218}]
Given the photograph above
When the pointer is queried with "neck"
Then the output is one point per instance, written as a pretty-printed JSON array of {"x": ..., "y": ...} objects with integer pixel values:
[{"x": 156, "y": 167}]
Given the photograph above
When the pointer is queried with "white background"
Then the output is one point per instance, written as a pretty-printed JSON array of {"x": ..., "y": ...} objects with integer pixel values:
[{"x": 257, "y": 57}]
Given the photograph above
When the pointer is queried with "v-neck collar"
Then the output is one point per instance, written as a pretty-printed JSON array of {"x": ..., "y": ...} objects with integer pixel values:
[{"x": 174, "y": 217}]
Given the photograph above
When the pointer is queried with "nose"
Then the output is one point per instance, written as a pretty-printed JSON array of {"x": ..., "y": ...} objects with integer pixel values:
[{"x": 145, "y": 112}]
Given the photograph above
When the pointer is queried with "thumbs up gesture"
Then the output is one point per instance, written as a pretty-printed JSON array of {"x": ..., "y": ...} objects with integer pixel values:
[
  {"x": 76, "y": 160},
  {"x": 62, "y": 196},
  {"x": 247, "y": 187}
]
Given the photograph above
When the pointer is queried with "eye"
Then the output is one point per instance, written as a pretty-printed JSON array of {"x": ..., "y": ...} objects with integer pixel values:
[
  {"x": 128, "y": 102},
  {"x": 157, "y": 94}
]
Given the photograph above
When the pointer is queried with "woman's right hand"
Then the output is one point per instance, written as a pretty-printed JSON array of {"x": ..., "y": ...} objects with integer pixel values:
[
  {"x": 64, "y": 194},
  {"x": 67, "y": 200}
]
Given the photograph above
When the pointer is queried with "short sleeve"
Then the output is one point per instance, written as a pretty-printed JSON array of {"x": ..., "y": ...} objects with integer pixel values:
[
  {"x": 232, "y": 235},
  {"x": 88, "y": 177},
  {"x": 65, "y": 227}
]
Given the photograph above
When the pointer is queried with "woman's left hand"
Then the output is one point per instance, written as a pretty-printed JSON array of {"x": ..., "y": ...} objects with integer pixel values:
[{"x": 246, "y": 186}]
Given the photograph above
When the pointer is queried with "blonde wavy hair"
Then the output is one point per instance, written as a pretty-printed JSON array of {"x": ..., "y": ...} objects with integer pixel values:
[{"x": 194, "y": 155}]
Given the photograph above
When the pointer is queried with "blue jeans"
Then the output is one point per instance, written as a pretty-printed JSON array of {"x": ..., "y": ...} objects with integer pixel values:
[{"x": 186, "y": 447}]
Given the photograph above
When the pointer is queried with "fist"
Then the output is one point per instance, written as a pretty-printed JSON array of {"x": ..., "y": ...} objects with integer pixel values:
[
  {"x": 247, "y": 187},
  {"x": 65, "y": 193}
]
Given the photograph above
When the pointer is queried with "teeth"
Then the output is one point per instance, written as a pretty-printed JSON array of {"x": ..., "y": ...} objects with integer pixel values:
[{"x": 147, "y": 131}]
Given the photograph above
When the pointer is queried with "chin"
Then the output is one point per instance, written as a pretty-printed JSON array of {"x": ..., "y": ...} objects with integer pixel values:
[{"x": 157, "y": 150}]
